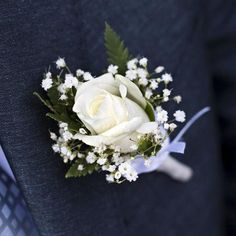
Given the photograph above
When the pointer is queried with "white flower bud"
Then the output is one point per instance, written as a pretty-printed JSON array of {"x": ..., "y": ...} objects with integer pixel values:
[{"x": 60, "y": 63}]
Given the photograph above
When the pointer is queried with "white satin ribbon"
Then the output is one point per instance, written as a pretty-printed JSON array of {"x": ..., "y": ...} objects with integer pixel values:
[{"x": 163, "y": 161}]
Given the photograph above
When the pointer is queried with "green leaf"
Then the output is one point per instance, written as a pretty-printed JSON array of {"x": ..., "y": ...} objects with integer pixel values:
[
  {"x": 56, "y": 117},
  {"x": 150, "y": 111},
  {"x": 145, "y": 146},
  {"x": 116, "y": 51},
  {"x": 72, "y": 125},
  {"x": 44, "y": 101},
  {"x": 54, "y": 96},
  {"x": 74, "y": 172}
]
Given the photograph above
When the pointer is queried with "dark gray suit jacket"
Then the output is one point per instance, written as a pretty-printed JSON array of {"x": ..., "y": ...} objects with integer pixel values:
[{"x": 192, "y": 39}]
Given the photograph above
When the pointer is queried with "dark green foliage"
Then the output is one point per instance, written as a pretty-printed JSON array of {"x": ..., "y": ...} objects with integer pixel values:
[
  {"x": 61, "y": 111},
  {"x": 47, "y": 103},
  {"x": 74, "y": 172},
  {"x": 116, "y": 51}
]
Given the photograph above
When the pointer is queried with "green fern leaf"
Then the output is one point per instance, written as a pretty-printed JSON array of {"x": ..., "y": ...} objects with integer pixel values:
[
  {"x": 116, "y": 51},
  {"x": 44, "y": 101}
]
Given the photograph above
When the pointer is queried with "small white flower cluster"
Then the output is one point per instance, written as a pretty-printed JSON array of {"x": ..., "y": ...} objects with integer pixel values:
[
  {"x": 124, "y": 170},
  {"x": 137, "y": 71},
  {"x": 162, "y": 118},
  {"x": 62, "y": 145},
  {"x": 112, "y": 69},
  {"x": 155, "y": 89},
  {"x": 47, "y": 81},
  {"x": 119, "y": 167},
  {"x": 83, "y": 76},
  {"x": 69, "y": 82},
  {"x": 60, "y": 63},
  {"x": 116, "y": 164},
  {"x": 69, "y": 79}
]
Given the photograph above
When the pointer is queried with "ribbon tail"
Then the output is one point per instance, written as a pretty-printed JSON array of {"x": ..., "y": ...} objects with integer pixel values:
[
  {"x": 177, "y": 147},
  {"x": 175, "y": 169},
  {"x": 190, "y": 123}
]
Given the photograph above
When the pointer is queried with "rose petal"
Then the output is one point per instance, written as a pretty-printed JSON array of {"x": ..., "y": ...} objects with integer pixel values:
[
  {"x": 147, "y": 127},
  {"x": 133, "y": 92},
  {"x": 123, "y": 90},
  {"x": 114, "y": 135},
  {"x": 105, "y": 82}
]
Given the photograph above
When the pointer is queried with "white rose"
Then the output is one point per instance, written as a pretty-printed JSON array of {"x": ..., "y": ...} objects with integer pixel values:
[{"x": 113, "y": 110}]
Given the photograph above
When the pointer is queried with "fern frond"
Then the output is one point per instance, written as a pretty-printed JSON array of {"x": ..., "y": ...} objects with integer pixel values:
[{"x": 116, "y": 51}]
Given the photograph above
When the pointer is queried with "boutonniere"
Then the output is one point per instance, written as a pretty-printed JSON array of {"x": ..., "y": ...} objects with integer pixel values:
[{"x": 116, "y": 122}]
